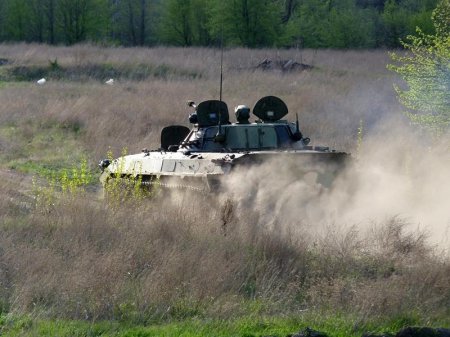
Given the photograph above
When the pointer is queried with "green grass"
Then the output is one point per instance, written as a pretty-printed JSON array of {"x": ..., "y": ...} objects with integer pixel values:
[
  {"x": 41, "y": 150},
  {"x": 12, "y": 84},
  {"x": 334, "y": 325}
]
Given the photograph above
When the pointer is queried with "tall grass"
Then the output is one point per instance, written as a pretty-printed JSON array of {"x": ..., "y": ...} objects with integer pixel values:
[
  {"x": 343, "y": 88},
  {"x": 84, "y": 260}
]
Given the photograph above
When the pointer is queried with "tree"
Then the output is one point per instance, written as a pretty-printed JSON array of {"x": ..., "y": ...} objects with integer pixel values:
[
  {"x": 335, "y": 24},
  {"x": 82, "y": 19},
  {"x": 202, "y": 22},
  {"x": 134, "y": 23},
  {"x": 2, "y": 20},
  {"x": 426, "y": 71},
  {"x": 289, "y": 8},
  {"x": 378, "y": 4},
  {"x": 49, "y": 8},
  {"x": 74, "y": 15},
  {"x": 350, "y": 26},
  {"x": 37, "y": 21},
  {"x": 17, "y": 17},
  {"x": 177, "y": 27},
  {"x": 401, "y": 19},
  {"x": 250, "y": 23}
]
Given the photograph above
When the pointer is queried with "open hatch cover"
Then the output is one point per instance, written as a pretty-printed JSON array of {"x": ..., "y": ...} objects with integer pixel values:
[
  {"x": 270, "y": 109},
  {"x": 209, "y": 113},
  {"x": 173, "y": 135}
]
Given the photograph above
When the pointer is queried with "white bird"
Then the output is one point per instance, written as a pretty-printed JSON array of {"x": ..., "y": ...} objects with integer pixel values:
[
  {"x": 41, "y": 81},
  {"x": 110, "y": 81}
]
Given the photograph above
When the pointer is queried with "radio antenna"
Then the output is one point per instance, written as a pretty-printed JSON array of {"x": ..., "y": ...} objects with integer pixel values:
[
  {"x": 219, "y": 136},
  {"x": 221, "y": 63}
]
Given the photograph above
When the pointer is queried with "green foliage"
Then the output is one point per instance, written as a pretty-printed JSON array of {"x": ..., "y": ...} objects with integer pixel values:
[
  {"x": 132, "y": 21},
  {"x": 66, "y": 182},
  {"x": 251, "y": 23},
  {"x": 72, "y": 180},
  {"x": 75, "y": 16},
  {"x": 17, "y": 15},
  {"x": 351, "y": 27},
  {"x": 426, "y": 71},
  {"x": 187, "y": 23},
  {"x": 125, "y": 187},
  {"x": 344, "y": 25},
  {"x": 401, "y": 19}
]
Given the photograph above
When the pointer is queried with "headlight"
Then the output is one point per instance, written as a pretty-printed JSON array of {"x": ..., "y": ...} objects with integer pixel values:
[{"x": 104, "y": 163}]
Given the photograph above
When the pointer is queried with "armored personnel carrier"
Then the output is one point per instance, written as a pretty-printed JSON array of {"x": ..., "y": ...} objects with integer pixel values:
[{"x": 202, "y": 158}]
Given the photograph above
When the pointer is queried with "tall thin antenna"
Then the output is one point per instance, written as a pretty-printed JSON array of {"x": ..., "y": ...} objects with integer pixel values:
[
  {"x": 221, "y": 63},
  {"x": 219, "y": 136}
]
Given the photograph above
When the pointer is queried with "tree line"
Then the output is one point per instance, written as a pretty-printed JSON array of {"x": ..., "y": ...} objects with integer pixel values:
[{"x": 248, "y": 23}]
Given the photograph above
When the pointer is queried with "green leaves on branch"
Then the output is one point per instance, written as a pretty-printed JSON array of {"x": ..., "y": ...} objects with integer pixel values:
[
  {"x": 426, "y": 71},
  {"x": 68, "y": 183}
]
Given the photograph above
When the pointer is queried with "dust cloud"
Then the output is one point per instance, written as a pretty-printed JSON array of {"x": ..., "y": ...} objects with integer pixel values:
[{"x": 394, "y": 174}]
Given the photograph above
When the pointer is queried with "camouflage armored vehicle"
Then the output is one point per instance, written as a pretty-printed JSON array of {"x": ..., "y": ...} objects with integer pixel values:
[{"x": 203, "y": 158}]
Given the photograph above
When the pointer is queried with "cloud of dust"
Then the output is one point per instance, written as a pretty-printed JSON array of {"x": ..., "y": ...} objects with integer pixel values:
[{"x": 393, "y": 175}]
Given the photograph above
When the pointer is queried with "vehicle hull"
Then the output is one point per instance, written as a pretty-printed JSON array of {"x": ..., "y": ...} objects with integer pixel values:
[{"x": 203, "y": 170}]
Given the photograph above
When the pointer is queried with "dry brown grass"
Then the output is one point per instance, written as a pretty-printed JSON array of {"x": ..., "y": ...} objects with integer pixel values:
[
  {"x": 331, "y": 100},
  {"x": 84, "y": 260},
  {"x": 174, "y": 258}
]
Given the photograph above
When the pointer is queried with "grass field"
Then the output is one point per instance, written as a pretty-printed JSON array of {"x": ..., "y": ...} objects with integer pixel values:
[{"x": 372, "y": 254}]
